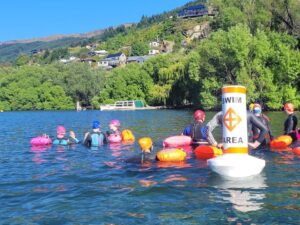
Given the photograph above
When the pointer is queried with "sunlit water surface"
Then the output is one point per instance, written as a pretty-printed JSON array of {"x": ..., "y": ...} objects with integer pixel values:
[{"x": 77, "y": 185}]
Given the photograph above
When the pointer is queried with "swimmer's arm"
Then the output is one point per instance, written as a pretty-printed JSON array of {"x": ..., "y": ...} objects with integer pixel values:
[{"x": 211, "y": 125}]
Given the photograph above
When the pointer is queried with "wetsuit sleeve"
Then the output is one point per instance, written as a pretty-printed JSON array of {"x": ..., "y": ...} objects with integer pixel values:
[
  {"x": 211, "y": 125},
  {"x": 187, "y": 131},
  {"x": 87, "y": 141},
  {"x": 73, "y": 141},
  {"x": 269, "y": 129},
  {"x": 105, "y": 140},
  {"x": 257, "y": 123}
]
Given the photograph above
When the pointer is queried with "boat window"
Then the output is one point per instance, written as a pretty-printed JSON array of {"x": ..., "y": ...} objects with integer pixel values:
[{"x": 119, "y": 104}]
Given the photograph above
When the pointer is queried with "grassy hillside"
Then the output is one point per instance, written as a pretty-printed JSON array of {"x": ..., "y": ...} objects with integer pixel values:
[{"x": 9, "y": 52}]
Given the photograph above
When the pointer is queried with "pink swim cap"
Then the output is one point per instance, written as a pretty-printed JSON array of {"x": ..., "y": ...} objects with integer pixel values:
[
  {"x": 115, "y": 123},
  {"x": 60, "y": 130}
]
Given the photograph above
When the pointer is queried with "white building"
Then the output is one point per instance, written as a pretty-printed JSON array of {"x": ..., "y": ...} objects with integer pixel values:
[
  {"x": 101, "y": 52},
  {"x": 153, "y": 52},
  {"x": 154, "y": 44}
]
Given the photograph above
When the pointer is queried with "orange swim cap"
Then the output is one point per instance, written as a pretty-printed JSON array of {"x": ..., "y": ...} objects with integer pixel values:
[
  {"x": 289, "y": 107},
  {"x": 145, "y": 143}
]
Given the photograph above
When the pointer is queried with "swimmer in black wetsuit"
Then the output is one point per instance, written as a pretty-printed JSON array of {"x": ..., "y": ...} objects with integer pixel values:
[
  {"x": 290, "y": 124},
  {"x": 265, "y": 120},
  {"x": 252, "y": 121},
  {"x": 145, "y": 156},
  {"x": 197, "y": 130}
]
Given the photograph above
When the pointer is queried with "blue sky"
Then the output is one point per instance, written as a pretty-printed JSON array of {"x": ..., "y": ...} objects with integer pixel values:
[{"x": 23, "y": 19}]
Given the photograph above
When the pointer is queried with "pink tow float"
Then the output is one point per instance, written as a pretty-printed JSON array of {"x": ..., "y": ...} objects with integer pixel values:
[
  {"x": 114, "y": 138},
  {"x": 177, "y": 141},
  {"x": 40, "y": 141}
]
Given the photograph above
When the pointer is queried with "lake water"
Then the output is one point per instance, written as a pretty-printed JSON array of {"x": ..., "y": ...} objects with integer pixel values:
[{"x": 77, "y": 185}]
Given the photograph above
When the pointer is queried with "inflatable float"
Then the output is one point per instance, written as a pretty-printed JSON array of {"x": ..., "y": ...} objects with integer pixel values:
[
  {"x": 40, "y": 141},
  {"x": 207, "y": 152},
  {"x": 296, "y": 150},
  {"x": 177, "y": 141},
  {"x": 171, "y": 155},
  {"x": 281, "y": 142},
  {"x": 127, "y": 136}
]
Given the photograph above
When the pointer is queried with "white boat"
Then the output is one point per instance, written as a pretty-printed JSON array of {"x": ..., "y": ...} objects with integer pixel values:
[{"x": 127, "y": 105}]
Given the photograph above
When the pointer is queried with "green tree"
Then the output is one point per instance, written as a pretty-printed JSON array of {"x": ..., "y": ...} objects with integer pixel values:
[
  {"x": 22, "y": 60},
  {"x": 140, "y": 49}
]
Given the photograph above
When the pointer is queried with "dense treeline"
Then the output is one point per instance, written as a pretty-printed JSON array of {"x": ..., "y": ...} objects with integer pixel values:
[
  {"x": 254, "y": 43},
  {"x": 48, "y": 87}
]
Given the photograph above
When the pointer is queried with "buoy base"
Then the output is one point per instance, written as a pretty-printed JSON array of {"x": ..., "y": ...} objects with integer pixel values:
[{"x": 236, "y": 165}]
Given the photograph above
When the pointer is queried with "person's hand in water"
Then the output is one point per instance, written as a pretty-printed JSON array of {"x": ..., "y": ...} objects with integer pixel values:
[
  {"x": 72, "y": 134},
  {"x": 254, "y": 145}
]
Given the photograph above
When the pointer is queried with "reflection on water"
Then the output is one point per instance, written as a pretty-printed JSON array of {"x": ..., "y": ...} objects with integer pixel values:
[
  {"x": 245, "y": 194},
  {"x": 38, "y": 153},
  {"x": 78, "y": 185}
]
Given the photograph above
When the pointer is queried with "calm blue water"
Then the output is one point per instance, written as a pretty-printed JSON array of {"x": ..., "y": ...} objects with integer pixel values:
[{"x": 77, "y": 185}]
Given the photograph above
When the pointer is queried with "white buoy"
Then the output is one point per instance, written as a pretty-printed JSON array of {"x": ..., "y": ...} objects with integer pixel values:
[{"x": 235, "y": 162}]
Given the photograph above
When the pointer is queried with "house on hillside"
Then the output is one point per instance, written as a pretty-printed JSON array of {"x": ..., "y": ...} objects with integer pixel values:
[
  {"x": 101, "y": 52},
  {"x": 113, "y": 60},
  {"x": 193, "y": 11},
  {"x": 153, "y": 52},
  {"x": 36, "y": 51},
  {"x": 92, "y": 53},
  {"x": 92, "y": 47},
  {"x": 154, "y": 44},
  {"x": 137, "y": 59},
  {"x": 69, "y": 60},
  {"x": 167, "y": 46},
  {"x": 88, "y": 60}
]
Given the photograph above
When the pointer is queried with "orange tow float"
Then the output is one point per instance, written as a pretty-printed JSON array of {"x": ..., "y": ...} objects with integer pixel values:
[
  {"x": 281, "y": 142},
  {"x": 296, "y": 150},
  {"x": 207, "y": 152},
  {"x": 171, "y": 155}
]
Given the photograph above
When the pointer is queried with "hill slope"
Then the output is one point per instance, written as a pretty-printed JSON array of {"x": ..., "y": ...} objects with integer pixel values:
[{"x": 10, "y": 50}]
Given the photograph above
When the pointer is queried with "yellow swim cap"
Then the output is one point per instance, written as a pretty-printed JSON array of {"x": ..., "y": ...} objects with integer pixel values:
[
  {"x": 145, "y": 143},
  {"x": 251, "y": 106}
]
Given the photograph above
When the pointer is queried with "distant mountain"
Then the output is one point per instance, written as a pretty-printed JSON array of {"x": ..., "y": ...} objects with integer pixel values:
[
  {"x": 58, "y": 37},
  {"x": 10, "y": 50}
]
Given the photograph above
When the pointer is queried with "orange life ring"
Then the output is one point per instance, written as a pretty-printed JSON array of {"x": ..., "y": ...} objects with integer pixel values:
[
  {"x": 171, "y": 155},
  {"x": 207, "y": 152},
  {"x": 281, "y": 142}
]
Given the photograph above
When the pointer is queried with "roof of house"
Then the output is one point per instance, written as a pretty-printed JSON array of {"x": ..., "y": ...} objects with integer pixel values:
[
  {"x": 135, "y": 58},
  {"x": 195, "y": 7},
  {"x": 114, "y": 55},
  {"x": 88, "y": 60}
]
